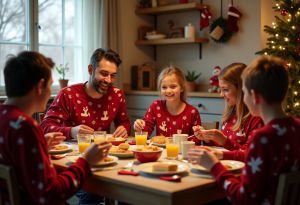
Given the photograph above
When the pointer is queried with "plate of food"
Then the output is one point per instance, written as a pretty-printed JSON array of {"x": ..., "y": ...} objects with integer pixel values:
[
  {"x": 60, "y": 149},
  {"x": 106, "y": 161},
  {"x": 230, "y": 165},
  {"x": 162, "y": 168},
  {"x": 115, "y": 140},
  {"x": 121, "y": 151},
  {"x": 159, "y": 141}
]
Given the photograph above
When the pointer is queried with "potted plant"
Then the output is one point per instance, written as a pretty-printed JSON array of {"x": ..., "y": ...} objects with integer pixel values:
[
  {"x": 190, "y": 77},
  {"x": 62, "y": 70}
]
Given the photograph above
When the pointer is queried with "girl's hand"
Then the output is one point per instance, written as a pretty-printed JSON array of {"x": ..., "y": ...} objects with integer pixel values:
[
  {"x": 139, "y": 125},
  {"x": 202, "y": 157}
]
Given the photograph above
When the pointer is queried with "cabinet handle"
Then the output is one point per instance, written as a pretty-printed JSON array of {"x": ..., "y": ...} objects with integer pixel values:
[{"x": 200, "y": 105}]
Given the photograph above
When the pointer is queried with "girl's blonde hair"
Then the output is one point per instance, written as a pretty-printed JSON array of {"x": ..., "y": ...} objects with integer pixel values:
[
  {"x": 180, "y": 77},
  {"x": 232, "y": 74}
]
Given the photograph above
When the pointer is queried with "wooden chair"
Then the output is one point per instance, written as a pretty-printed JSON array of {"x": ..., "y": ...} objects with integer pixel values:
[
  {"x": 288, "y": 190},
  {"x": 210, "y": 125},
  {"x": 7, "y": 173}
]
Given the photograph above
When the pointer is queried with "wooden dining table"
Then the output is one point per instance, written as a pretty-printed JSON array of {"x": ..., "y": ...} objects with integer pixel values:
[{"x": 146, "y": 189}]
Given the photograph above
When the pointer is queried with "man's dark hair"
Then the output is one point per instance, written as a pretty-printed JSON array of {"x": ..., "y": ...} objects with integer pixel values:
[
  {"x": 108, "y": 54},
  {"x": 24, "y": 71}
]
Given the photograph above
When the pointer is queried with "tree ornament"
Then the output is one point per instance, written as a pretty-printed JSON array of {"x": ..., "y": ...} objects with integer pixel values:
[
  {"x": 233, "y": 16},
  {"x": 204, "y": 18},
  {"x": 283, "y": 12},
  {"x": 298, "y": 40}
]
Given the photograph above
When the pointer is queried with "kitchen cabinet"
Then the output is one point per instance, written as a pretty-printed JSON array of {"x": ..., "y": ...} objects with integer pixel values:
[
  {"x": 210, "y": 106},
  {"x": 174, "y": 8}
]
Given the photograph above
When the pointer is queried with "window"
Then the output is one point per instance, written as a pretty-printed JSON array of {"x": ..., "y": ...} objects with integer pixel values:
[{"x": 58, "y": 33}]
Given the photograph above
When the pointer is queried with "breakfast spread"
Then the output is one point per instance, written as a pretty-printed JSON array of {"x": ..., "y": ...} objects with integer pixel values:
[
  {"x": 164, "y": 167},
  {"x": 60, "y": 147},
  {"x": 158, "y": 139},
  {"x": 112, "y": 138},
  {"x": 147, "y": 148},
  {"x": 122, "y": 148}
]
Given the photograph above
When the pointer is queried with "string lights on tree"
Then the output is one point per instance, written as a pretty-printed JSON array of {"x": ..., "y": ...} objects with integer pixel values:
[{"x": 284, "y": 42}]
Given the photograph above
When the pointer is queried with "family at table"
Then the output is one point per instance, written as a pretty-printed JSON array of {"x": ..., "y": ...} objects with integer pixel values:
[{"x": 255, "y": 130}]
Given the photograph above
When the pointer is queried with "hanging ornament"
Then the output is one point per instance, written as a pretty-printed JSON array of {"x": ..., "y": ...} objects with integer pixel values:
[
  {"x": 283, "y": 12},
  {"x": 298, "y": 40}
]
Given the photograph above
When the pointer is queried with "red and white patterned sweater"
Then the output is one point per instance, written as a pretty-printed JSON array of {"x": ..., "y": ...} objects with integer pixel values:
[
  {"x": 157, "y": 116},
  {"x": 72, "y": 107},
  {"x": 274, "y": 149},
  {"x": 23, "y": 146}
]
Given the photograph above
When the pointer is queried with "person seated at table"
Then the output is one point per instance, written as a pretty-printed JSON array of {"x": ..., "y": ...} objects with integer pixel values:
[
  {"x": 274, "y": 148},
  {"x": 93, "y": 105},
  {"x": 22, "y": 143},
  {"x": 173, "y": 114},
  {"x": 237, "y": 121}
]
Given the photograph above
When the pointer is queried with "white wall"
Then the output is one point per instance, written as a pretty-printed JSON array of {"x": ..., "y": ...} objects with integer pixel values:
[{"x": 241, "y": 47}]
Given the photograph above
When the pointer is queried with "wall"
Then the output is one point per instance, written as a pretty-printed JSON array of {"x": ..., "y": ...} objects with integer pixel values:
[{"x": 241, "y": 47}]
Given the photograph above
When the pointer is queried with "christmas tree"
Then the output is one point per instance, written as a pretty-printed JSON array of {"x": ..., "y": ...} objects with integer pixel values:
[{"x": 284, "y": 42}]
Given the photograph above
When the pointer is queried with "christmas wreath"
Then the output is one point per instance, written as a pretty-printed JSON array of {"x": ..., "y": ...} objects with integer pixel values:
[{"x": 219, "y": 30}]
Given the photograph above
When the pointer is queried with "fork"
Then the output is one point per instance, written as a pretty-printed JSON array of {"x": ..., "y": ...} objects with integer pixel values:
[{"x": 129, "y": 166}]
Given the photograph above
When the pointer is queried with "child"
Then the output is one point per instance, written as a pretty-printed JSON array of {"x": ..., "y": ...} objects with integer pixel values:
[
  {"x": 274, "y": 148},
  {"x": 173, "y": 114},
  {"x": 22, "y": 143},
  {"x": 237, "y": 121}
]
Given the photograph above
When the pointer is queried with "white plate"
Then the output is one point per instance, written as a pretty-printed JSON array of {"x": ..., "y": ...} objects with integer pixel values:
[
  {"x": 155, "y": 37},
  {"x": 61, "y": 151},
  {"x": 114, "y": 159},
  {"x": 156, "y": 144},
  {"x": 234, "y": 166},
  {"x": 147, "y": 168}
]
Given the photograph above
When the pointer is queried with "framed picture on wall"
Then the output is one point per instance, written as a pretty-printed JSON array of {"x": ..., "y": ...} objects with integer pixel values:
[{"x": 146, "y": 77}]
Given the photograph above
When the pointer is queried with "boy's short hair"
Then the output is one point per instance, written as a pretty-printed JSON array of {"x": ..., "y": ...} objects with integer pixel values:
[
  {"x": 24, "y": 71},
  {"x": 108, "y": 54},
  {"x": 268, "y": 76}
]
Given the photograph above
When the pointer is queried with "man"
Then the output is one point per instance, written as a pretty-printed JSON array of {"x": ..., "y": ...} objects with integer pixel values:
[
  {"x": 93, "y": 105},
  {"x": 22, "y": 143}
]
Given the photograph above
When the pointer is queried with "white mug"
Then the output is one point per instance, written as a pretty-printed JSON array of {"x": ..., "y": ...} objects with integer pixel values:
[
  {"x": 185, "y": 147},
  {"x": 178, "y": 138}
]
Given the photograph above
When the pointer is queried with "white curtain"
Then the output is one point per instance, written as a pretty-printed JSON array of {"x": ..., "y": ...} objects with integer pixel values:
[{"x": 100, "y": 27}]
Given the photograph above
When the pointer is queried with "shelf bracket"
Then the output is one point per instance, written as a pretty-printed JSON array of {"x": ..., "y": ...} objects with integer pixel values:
[{"x": 200, "y": 50}]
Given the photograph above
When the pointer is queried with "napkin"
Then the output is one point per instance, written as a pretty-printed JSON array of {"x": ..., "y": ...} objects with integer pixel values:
[
  {"x": 174, "y": 178},
  {"x": 126, "y": 172},
  {"x": 131, "y": 142}
]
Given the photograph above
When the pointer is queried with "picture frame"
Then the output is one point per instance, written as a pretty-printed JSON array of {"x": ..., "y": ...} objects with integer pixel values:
[{"x": 146, "y": 77}]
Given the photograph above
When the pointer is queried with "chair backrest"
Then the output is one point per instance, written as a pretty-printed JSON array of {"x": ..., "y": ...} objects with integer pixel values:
[
  {"x": 288, "y": 190},
  {"x": 7, "y": 173},
  {"x": 210, "y": 125}
]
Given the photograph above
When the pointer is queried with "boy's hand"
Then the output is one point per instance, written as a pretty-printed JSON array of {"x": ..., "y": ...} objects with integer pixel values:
[
  {"x": 96, "y": 152},
  {"x": 202, "y": 157},
  {"x": 139, "y": 125},
  {"x": 54, "y": 138}
]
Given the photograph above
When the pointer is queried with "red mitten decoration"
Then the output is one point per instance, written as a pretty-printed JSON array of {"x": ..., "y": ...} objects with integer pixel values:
[
  {"x": 204, "y": 19},
  {"x": 233, "y": 17}
]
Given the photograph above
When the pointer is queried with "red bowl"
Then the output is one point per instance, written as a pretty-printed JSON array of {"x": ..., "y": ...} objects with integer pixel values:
[
  {"x": 117, "y": 142},
  {"x": 144, "y": 156}
]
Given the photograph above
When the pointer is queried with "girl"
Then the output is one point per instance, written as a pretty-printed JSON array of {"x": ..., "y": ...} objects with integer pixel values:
[
  {"x": 172, "y": 114},
  {"x": 237, "y": 121}
]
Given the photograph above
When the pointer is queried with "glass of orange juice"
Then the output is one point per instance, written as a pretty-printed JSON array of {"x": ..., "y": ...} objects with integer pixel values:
[
  {"x": 99, "y": 136},
  {"x": 141, "y": 138},
  {"x": 172, "y": 149},
  {"x": 84, "y": 141}
]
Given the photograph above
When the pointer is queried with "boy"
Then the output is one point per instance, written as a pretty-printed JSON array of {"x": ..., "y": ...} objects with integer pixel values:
[
  {"x": 273, "y": 148},
  {"x": 22, "y": 143}
]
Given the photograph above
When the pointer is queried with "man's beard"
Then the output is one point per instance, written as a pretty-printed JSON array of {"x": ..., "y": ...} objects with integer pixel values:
[{"x": 98, "y": 89}]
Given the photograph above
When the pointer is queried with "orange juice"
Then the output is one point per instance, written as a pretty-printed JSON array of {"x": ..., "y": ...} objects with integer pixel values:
[
  {"x": 172, "y": 150},
  {"x": 140, "y": 139},
  {"x": 82, "y": 146}
]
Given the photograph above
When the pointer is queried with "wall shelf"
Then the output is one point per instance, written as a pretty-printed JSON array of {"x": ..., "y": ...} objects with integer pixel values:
[{"x": 171, "y": 41}]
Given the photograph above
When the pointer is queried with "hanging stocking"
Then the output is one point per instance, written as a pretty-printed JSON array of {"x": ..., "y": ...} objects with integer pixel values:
[
  {"x": 233, "y": 16},
  {"x": 204, "y": 19}
]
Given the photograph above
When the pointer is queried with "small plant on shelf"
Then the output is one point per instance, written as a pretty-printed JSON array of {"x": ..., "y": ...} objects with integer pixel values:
[
  {"x": 62, "y": 70},
  {"x": 190, "y": 77}
]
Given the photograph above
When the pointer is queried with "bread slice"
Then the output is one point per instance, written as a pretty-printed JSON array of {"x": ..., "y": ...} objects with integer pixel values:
[{"x": 164, "y": 167}]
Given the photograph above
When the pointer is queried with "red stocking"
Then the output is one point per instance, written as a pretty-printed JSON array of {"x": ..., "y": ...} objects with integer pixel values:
[
  {"x": 205, "y": 16},
  {"x": 233, "y": 16}
]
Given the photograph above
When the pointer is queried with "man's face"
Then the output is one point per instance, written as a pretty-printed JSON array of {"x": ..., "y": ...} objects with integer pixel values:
[{"x": 104, "y": 76}]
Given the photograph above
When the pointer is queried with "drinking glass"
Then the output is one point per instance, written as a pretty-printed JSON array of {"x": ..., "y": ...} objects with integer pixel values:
[
  {"x": 141, "y": 138},
  {"x": 172, "y": 149},
  {"x": 99, "y": 136},
  {"x": 84, "y": 141}
]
